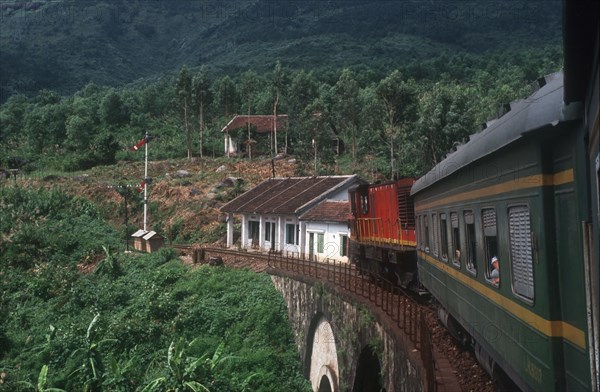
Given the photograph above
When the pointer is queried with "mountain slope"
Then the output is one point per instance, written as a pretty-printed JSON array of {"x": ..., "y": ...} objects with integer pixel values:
[{"x": 64, "y": 44}]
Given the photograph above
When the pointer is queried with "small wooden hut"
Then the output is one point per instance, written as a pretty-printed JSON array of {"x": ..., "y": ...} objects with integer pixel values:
[{"x": 147, "y": 241}]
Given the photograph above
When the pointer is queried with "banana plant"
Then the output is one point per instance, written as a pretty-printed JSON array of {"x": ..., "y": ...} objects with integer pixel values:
[
  {"x": 185, "y": 369},
  {"x": 41, "y": 383},
  {"x": 92, "y": 366}
]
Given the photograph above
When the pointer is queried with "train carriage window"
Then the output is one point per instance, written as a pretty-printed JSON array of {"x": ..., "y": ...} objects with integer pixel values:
[
  {"x": 455, "y": 238},
  {"x": 364, "y": 203},
  {"x": 436, "y": 236},
  {"x": 426, "y": 233},
  {"x": 471, "y": 243},
  {"x": 490, "y": 239},
  {"x": 521, "y": 255},
  {"x": 418, "y": 232},
  {"x": 444, "y": 236},
  {"x": 352, "y": 197},
  {"x": 422, "y": 232}
]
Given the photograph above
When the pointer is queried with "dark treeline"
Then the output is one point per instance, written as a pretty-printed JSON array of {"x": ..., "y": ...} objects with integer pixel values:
[{"x": 395, "y": 123}]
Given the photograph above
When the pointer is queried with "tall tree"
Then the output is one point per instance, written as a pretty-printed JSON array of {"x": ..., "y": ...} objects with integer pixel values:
[
  {"x": 112, "y": 110},
  {"x": 183, "y": 92},
  {"x": 399, "y": 100},
  {"x": 249, "y": 86},
  {"x": 345, "y": 95},
  {"x": 446, "y": 118},
  {"x": 303, "y": 90},
  {"x": 279, "y": 84},
  {"x": 225, "y": 97},
  {"x": 202, "y": 98}
]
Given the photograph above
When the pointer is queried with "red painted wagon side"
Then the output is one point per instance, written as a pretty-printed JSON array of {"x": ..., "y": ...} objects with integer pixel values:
[
  {"x": 382, "y": 230},
  {"x": 384, "y": 214}
]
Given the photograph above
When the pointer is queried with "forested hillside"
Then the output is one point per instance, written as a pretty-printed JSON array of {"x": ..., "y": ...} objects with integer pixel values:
[
  {"x": 392, "y": 125},
  {"x": 64, "y": 44},
  {"x": 386, "y": 86}
]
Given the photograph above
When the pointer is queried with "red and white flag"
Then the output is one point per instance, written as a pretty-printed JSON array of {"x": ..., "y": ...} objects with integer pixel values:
[
  {"x": 142, "y": 186},
  {"x": 145, "y": 140},
  {"x": 140, "y": 144}
]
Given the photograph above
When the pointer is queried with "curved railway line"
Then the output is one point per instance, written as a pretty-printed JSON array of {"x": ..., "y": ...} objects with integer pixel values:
[{"x": 411, "y": 314}]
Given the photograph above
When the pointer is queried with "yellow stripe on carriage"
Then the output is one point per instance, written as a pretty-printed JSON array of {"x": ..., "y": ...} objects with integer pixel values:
[
  {"x": 551, "y": 328},
  {"x": 535, "y": 181},
  {"x": 379, "y": 240}
]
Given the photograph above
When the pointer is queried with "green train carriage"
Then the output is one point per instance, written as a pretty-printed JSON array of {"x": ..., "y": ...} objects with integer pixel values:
[{"x": 513, "y": 192}]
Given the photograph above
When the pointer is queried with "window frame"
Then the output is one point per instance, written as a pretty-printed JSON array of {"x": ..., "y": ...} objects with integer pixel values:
[
  {"x": 268, "y": 231},
  {"x": 343, "y": 244},
  {"x": 513, "y": 259},
  {"x": 364, "y": 203},
  {"x": 444, "y": 248},
  {"x": 488, "y": 253},
  {"x": 455, "y": 238},
  {"x": 426, "y": 232},
  {"x": 253, "y": 228},
  {"x": 470, "y": 240},
  {"x": 320, "y": 243},
  {"x": 295, "y": 234},
  {"x": 435, "y": 242}
]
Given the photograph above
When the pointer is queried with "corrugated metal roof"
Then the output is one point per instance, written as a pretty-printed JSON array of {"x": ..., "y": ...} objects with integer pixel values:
[
  {"x": 292, "y": 195},
  {"x": 262, "y": 123},
  {"x": 544, "y": 107},
  {"x": 139, "y": 233},
  {"x": 150, "y": 235},
  {"x": 328, "y": 211}
]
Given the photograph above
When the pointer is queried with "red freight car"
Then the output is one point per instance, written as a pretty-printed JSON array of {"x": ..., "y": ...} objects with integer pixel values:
[{"x": 383, "y": 241}]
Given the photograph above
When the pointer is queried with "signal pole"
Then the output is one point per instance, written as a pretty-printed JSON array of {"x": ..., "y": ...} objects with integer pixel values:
[{"x": 146, "y": 185}]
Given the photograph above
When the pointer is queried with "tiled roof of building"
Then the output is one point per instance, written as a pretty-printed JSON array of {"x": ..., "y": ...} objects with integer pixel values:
[
  {"x": 262, "y": 123},
  {"x": 292, "y": 195},
  {"x": 328, "y": 211}
]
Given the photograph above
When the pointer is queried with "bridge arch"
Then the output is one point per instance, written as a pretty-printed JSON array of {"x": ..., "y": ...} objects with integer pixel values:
[
  {"x": 321, "y": 360},
  {"x": 368, "y": 371}
]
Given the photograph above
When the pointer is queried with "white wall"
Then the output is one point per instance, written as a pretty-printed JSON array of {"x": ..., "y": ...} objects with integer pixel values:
[
  {"x": 332, "y": 241},
  {"x": 342, "y": 195},
  {"x": 279, "y": 240},
  {"x": 230, "y": 146}
]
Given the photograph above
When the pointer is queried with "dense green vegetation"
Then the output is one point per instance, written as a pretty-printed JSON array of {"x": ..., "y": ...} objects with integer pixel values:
[
  {"x": 393, "y": 124},
  {"x": 79, "y": 315},
  {"x": 64, "y": 44},
  {"x": 388, "y": 87},
  {"x": 382, "y": 88}
]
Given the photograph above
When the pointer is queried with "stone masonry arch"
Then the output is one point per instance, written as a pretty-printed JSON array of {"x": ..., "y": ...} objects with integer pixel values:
[
  {"x": 332, "y": 333},
  {"x": 321, "y": 355}
]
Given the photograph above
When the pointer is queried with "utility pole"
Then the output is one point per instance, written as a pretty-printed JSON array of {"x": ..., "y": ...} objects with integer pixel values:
[
  {"x": 314, "y": 143},
  {"x": 146, "y": 183},
  {"x": 124, "y": 190},
  {"x": 14, "y": 173}
]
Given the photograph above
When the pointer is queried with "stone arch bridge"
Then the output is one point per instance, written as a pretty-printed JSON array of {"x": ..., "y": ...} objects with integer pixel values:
[{"x": 351, "y": 334}]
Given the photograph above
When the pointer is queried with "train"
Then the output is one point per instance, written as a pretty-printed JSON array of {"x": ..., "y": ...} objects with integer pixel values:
[
  {"x": 503, "y": 233},
  {"x": 382, "y": 226}
]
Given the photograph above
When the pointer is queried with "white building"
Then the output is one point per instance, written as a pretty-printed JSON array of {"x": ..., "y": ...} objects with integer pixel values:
[
  {"x": 327, "y": 230},
  {"x": 272, "y": 215}
]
